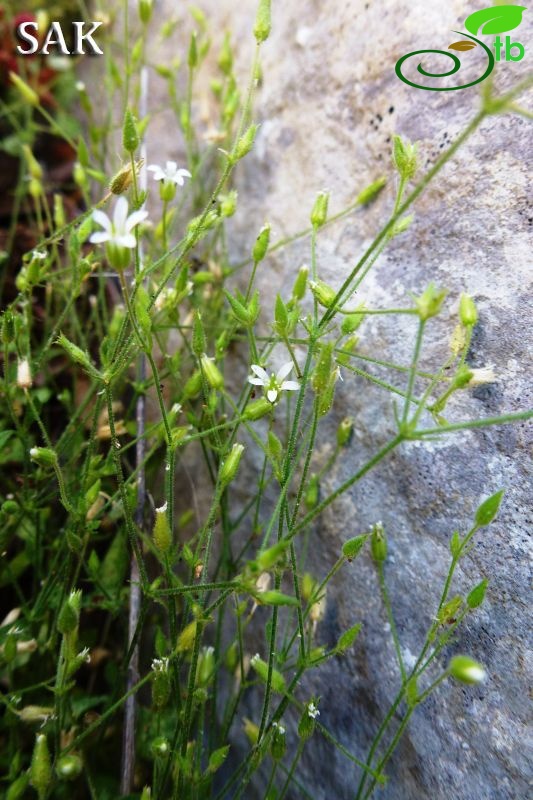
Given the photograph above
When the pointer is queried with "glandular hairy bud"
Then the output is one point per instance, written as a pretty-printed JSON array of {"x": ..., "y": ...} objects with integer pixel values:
[
  {"x": 430, "y": 302},
  {"x": 378, "y": 543},
  {"x": 300, "y": 284},
  {"x": 146, "y": 793},
  {"x": 263, "y": 21},
  {"x": 69, "y": 616},
  {"x": 229, "y": 468},
  {"x": 43, "y": 456},
  {"x": 404, "y": 157},
  {"x": 228, "y": 204},
  {"x": 34, "y": 168},
  {"x": 160, "y": 683},
  {"x": 257, "y": 409},
  {"x": 467, "y": 311},
  {"x": 477, "y": 595},
  {"x": 193, "y": 386},
  {"x": 278, "y": 743},
  {"x": 145, "y": 10},
  {"x": 130, "y": 134},
  {"x": 122, "y": 180},
  {"x": 319, "y": 214},
  {"x": 206, "y": 666},
  {"x": 160, "y": 747},
  {"x": 466, "y": 670},
  {"x": 323, "y": 368},
  {"x": 211, "y": 372},
  {"x": 344, "y": 431},
  {"x": 458, "y": 340},
  {"x": 251, "y": 730},
  {"x": 161, "y": 534},
  {"x": 198, "y": 336},
  {"x": 245, "y": 143},
  {"x": 25, "y": 91},
  {"x": 312, "y": 492},
  {"x": 306, "y": 725},
  {"x": 261, "y": 244},
  {"x": 323, "y": 293},
  {"x": 41, "y": 766}
]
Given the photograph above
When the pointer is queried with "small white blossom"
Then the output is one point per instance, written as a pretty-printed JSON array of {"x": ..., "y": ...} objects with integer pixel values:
[
  {"x": 85, "y": 655},
  {"x": 160, "y": 664},
  {"x": 39, "y": 255},
  {"x": 255, "y": 659},
  {"x": 171, "y": 173},
  {"x": 118, "y": 231},
  {"x": 24, "y": 380},
  {"x": 312, "y": 711},
  {"x": 482, "y": 375},
  {"x": 274, "y": 384}
]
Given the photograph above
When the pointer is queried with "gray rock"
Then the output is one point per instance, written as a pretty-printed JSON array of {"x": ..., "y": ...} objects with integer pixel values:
[{"x": 329, "y": 104}]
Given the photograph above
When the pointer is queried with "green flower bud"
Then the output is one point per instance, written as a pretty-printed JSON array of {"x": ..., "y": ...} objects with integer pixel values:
[
  {"x": 344, "y": 431},
  {"x": 43, "y": 456},
  {"x": 488, "y": 509},
  {"x": 368, "y": 194},
  {"x": 477, "y": 595},
  {"x": 119, "y": 257},
  {"x": 130, "y": 134},
  {"x": 76, "y": 353},
  {"x": 263, "y": 21},
  {"x": 69, "y": 767},
  {"x": 402, "y": 225},
  {"x": 378, "y": 543},
  {"x": 430, "y": 302},
  {"x": 225, "y": 58},
  {"x": 229, "y": 468},
  {"x": 25, "y": 91},
  {"x": 466, "y": 670},
  {"x": 161, "y": 534},
  {"x": 122, "y": 180},
  {"x": 198, "y": 336},
  {"x": 193, "y": 386},
  {"x": 10, "y": 648},
  {"x": 211, "y": 372},
  {"x": 146, "y": 793},
  {"x": 323, "y": 293},
  {"x": 257, "y": 409},
  {"x": 145, "y": 10},
  {"x": 323, "y": 369},
  {"x": 161, "y": 686},
  {"x": 308, "y": 587},
  {"x": 8, "y": 327},
  {"x": 231, "y": 658},
  {"x": 404, "y": 157},
  {"x": 306, "y": 725},
  {"x": 467, "y": 311},
  {"x": 327, "y": 396},
  {"x": 35, "y": 188},
  {"x": 206, "y": 666},
  {"x": 41, "y": 767},
  {"x": 347, "y": 639},
  {"x": 353, "y": 547},
  {"x": 160, "y": 747},
  {"x": 228, "y": 204},
  {"x": 167, "y": 190},
  {"x": 261, "y": 244},
  {"x": 449, "y": 610},
  {"x": 251, "y": 731},
  {"x": 34, "y": 168},
  {"x": 69, "y": 616},
  {"x": 261, "y": 667},
  {"x": 278, "y": 744},
  {"x": 192, "y": 58},
  {"x": 187, "y": 637},
  {"x": 245, "y": 143},
  {"x": 351, "y": 322},
  {"x": 312, "y": 492},
  {"x": 300, "y": 284},
  {"x": 18, "y": 788},
  {"x": 269, "y": 558},
  {"x": 319, "y": 214}
]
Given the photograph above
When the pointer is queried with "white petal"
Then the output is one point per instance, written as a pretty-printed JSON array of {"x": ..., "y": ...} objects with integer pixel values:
[
  {"x": 134, "y": 219},
  {"x": 125, "y": 240},
  {"x": 102, "y": 219},
  {"x": 255, "y": 381},
  {"x": 290, "y": 386},
  {"x": 283, "y": 371},
  {"x": 260, "y": 372},
  {"x": 171, "y": 169},
  {"x": 120, "y": 215},
  {"x": 99, "y": 237},
  {"x": 180, "y": 175},
  {"x": 272, "y": 395},
  {"x": 159, "y": 174}
]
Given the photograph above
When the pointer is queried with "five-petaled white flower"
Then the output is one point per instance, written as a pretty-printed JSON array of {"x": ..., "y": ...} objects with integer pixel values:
[
  {"x": 312, "y": 711},
  {"x": 170, "y": 173},
  {"x": 119, "y": 230},
  {"x": 482, "y": 375},
  {"x": 274, "y": 384}
]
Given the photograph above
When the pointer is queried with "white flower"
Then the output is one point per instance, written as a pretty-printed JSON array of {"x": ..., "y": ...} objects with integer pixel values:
[
  {"x": 274, "y": 384},
  {"x": 160, "y": 664},
  {"x": 312, "y": 711},
  {"x": 118, "y": 231},
  {"x": 255, "y": 659},
  {"x": 482, "y": 375},
  {"x": 24, "y": 380},
  {"x": 171, "y": 173},
  {"x": 39, "y": 255},
  {"x": 84, "y": 655}
]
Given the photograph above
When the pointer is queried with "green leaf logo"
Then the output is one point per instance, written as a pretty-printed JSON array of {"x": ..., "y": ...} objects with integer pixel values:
[{"x": 497, "y": 19}]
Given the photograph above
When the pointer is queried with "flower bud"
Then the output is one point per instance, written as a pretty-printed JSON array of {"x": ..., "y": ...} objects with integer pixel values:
[
  {"x": 162, "y": 535},
  {"x": 43, "y": 456},
  {"x": 308, "y": 587},
  {"x": 263, "y": 21},
  {"x": 261, "y": 667},
  {"x": 323, "y": 293},
  {"x": 25, "y": 91},
  {"x": 225, "y": 58},
  {"x": 228, "y": 204},
  {"x": 160, "y": 747},
  {"x": 145, "y": 10},
  {"x": 24, "y": 380},
  {"x": 206, "y": 666},
  {"x": 269, "y": 558},
  {"x": 187, "y": 637},
  {"x": 211, "y": 372},
  {"x": 278, "y": 744},
  {"x": 467, "y": 311},
  {"x": 34, "y": 168},
  {"x": 429, "y": 303},
  {"x": 344, "y": 431},
  {"x": 351, "y": 322},
  {"x": 69, "y": 616},
  {"x": 319, "y": 214},
  {"x": 306, "y": 725},
  {"x": 41, "y": 767},
  {"x": 76, "y": 353},
  {"x": 488, "y": 509},
  {"x": 230, "y": 466},
  {"x": 193, "y": 386},
  {"x": 348, "y": 638},
  {"x": 261, "y": 244},
  {"x": 17, "y": 789},
  {"x": 192, "y": 58},
  {"x": 80, "y": 176},
  {"x": 477, "y": 595},
  {"x": 369, "y": 192},
  {"x": 122, "y": 180},
  {"x": 245, "y": 143},
  {"x": 323, "y": 368},
  {"x": 378, "y": 543},
  {"x": 251, "y": 730},
  {"x": 466, "y": 670},
  {"x": 160, "y": 683},
  {"x": 69, "y": 767},
  {"x": 146, "y": 793},
  {"x": 312, "y": 492},
  {"x": 130, "y": 134},
  {"x": 352, "y": 547},
  {"x": 448, "y": 612},
  {"x": 300, "y": 284},
  {"x": 257, "y": 409},
  {"x": 404, "y": 157},
  {"x": 198, "y": 336}
]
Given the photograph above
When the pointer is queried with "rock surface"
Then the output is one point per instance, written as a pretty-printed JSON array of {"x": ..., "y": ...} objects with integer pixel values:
[{"x": 329, "y": 104}]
